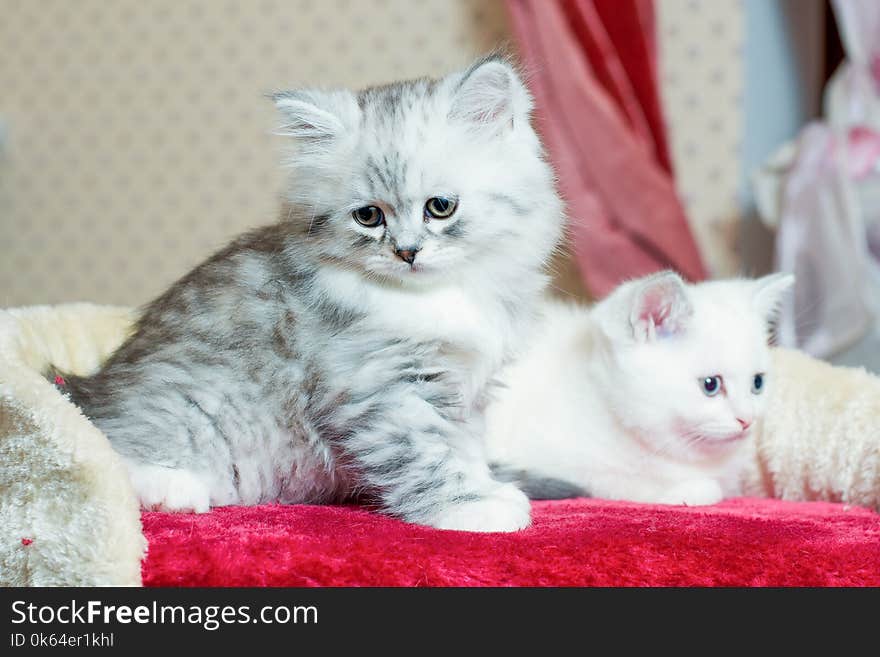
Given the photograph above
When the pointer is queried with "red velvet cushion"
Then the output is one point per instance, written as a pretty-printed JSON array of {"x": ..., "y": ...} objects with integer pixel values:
[{"x": 744, "y": 542}]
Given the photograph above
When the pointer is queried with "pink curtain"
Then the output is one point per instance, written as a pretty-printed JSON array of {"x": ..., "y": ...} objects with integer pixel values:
[{"x": 592, "y": 69}]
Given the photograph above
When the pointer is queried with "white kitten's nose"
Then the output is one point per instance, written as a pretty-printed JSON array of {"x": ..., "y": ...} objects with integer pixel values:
[{"x": 745, "y": 424}]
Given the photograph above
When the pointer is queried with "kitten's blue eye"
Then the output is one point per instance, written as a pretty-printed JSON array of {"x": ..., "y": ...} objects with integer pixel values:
[
  {"x": 758, "y": 384},
  {"x": 369, "y": 216},
  {"x": 440, "y": 207},
  {"x": 711, "y": 385}
]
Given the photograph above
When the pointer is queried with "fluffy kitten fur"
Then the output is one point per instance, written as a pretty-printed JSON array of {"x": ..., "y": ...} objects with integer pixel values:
[
  {"x": 307, "y": 362},
  {"x": 609, "y": 402}
]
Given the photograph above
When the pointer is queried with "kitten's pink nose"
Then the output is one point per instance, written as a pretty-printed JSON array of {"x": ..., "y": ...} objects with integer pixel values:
[
  {"x": 407, "y": 255},
  {"x": 745, "y": 424}
]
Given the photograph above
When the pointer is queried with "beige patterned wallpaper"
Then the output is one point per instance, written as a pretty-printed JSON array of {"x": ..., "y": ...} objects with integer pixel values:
[
  {"x": 701, "y": 80},
  {"x": 137, "y": 138}
]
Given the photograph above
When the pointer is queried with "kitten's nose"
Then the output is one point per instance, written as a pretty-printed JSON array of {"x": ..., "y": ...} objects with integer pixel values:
[
  {"x": 745, "y": 424},
  {"x": 408, "y": 254}
]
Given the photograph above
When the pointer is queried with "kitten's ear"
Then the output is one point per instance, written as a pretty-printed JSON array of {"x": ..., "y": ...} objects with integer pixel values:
[
  {"x": 311, "y": 115},
  {"x": 660, "y": 307},
  {"x": 768, "y": 293},
  {"x": 491, "y": 96}
]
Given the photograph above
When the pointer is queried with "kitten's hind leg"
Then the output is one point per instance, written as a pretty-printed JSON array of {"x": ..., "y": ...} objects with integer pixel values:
[
  {"x": 160, "y": 488},
  {"x": 431, "y": 471}
]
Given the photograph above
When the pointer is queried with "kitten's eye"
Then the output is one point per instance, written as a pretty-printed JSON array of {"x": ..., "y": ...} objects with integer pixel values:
[
  {"x": 711, "y": 385},
  {"x": 758, "y": 384},
  {"x": 440, "y": 207},
  {"x": 369, "y": 216}
]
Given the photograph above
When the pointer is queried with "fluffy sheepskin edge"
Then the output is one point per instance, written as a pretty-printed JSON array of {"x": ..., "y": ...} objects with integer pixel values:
[
  {"x": 68, "y": 514},
  {"x": 820, "y": 438}
]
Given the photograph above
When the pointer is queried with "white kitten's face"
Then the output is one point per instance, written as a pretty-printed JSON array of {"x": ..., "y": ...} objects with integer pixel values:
[
  {"x": 423, "y": 181},
  {"x": 698, "y": 391},
  {"x": 691, "y": 369}
]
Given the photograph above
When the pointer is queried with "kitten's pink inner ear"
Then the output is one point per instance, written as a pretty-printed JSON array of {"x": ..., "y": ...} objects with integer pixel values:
[
  {"x": 661, "y": 310},
  {"x": 490, "y": 97}
]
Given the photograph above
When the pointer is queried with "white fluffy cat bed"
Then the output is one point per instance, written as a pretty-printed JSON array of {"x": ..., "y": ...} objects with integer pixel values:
[{"x": 68, "y": 515}]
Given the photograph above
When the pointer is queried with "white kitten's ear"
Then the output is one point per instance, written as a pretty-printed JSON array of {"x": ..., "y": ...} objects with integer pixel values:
[
  {"x": 768, "y": 293},
  {"x": 491, "y": 96},
  {"x": 310, "y": 115},
  {"x": 660, "y": 307}
]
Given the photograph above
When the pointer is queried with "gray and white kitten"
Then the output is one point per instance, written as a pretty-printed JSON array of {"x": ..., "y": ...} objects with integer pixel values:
[{"x": 346, "y": 351}]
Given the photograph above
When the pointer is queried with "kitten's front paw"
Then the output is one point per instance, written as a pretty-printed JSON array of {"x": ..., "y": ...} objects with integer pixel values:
[
  {"x": 505, "y": 509},
  {"x": 696, "y": 492},
  {"x": 169, "y": 489}
]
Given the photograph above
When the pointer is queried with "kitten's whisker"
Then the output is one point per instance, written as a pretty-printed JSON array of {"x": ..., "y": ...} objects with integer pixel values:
[
  {"x": 567, "y": 293},
  {"x": 312, "y": 222}
]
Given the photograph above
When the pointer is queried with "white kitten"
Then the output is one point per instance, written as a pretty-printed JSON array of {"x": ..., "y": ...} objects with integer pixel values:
[{"x": 650, "y": 396}]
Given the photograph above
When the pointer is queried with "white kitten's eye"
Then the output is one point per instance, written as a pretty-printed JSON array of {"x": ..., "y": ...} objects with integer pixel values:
[
  {"x": 711, "y": 385},
  {"x": 369, "y": 216},
  {"x": 440, "y": 207},
  {"x": 758, "y": 383}
]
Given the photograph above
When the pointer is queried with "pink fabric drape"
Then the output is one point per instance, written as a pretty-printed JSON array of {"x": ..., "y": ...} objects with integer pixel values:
[{"x": 592, "y": 69}]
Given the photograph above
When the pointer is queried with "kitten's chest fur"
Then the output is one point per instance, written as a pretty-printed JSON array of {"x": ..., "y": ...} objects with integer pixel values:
[{"x": 474, "y": 332}]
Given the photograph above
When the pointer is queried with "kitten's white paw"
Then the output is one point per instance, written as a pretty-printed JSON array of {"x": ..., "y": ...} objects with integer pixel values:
[
  {"x": 169, "y": 489},
  {"x": 506, "y": 509},
  {"x": 695, "y": 492}
]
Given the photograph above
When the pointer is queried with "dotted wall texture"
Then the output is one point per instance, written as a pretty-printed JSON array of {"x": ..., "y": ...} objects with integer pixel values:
[
  {"x": 138, "y": 138},
  {"x": 701, "y": 81}
]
